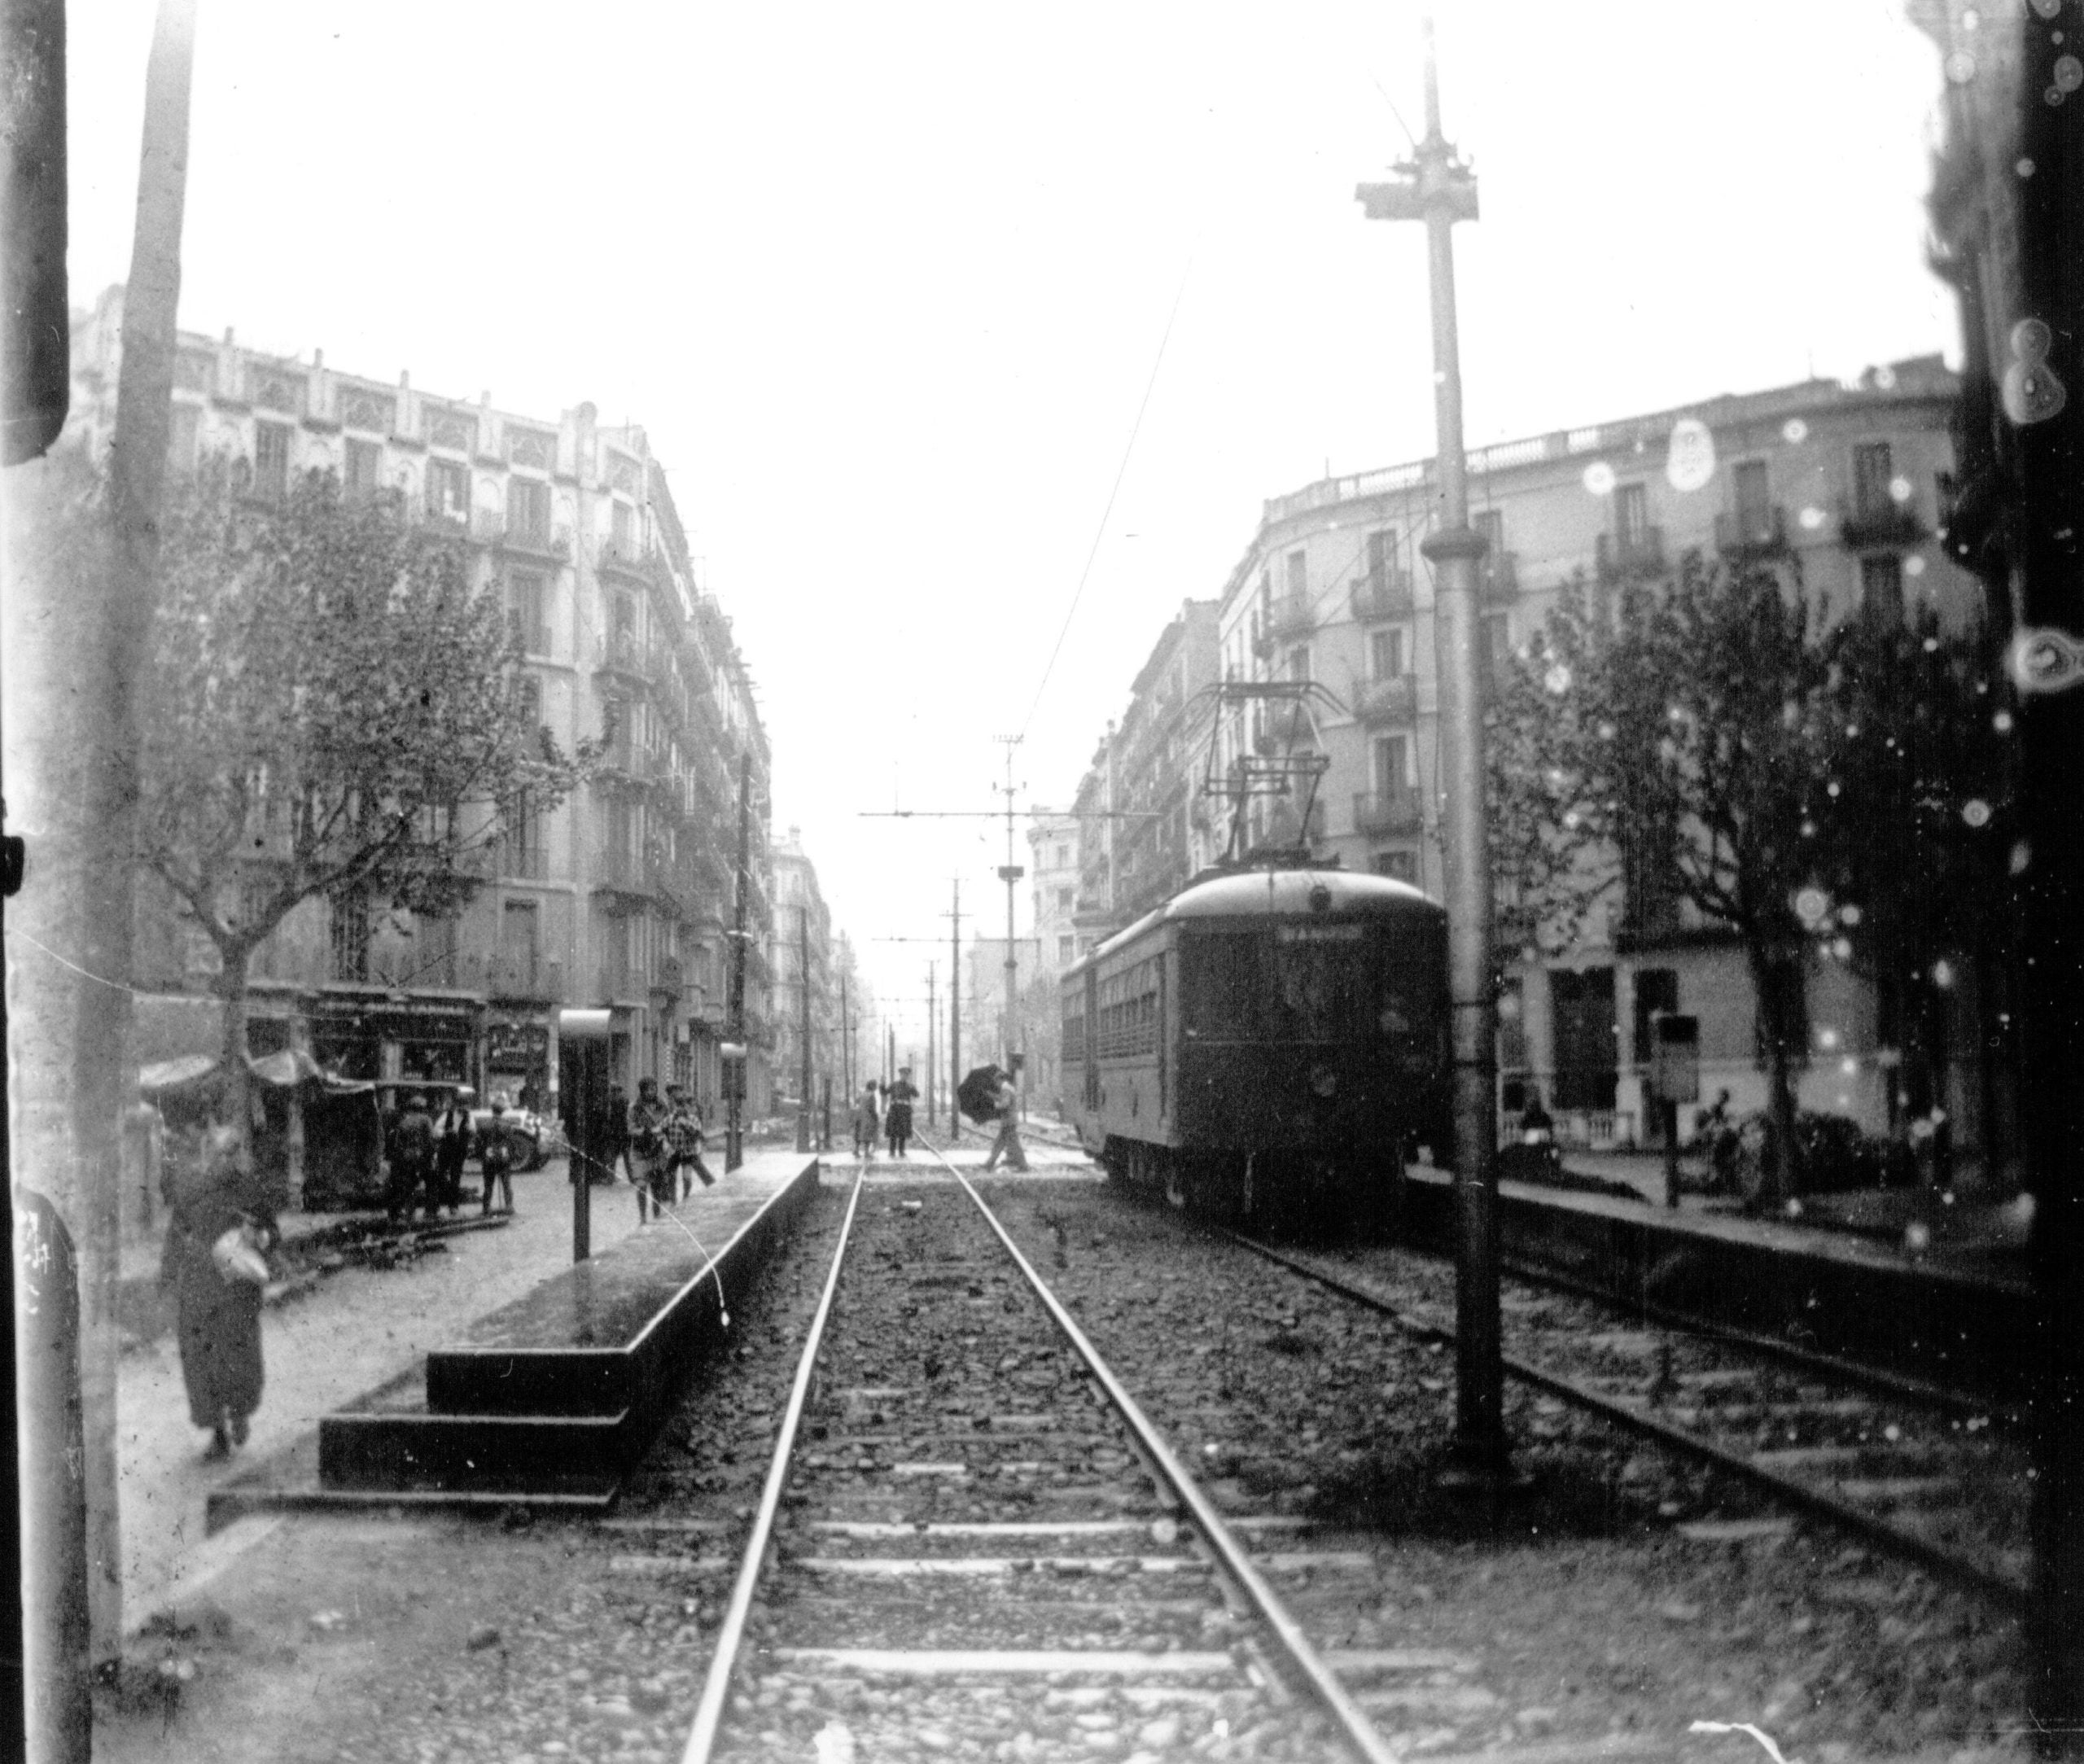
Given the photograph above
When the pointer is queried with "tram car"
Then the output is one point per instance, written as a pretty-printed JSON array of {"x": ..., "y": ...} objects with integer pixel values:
[{"x": 1268, "y": 1044}]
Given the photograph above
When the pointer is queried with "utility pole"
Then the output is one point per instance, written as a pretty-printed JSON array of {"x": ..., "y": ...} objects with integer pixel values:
[
  {"x": 804, "y": 1025},
  {"x": 1009, "y": 873},
  {"x": 1437, "y": 188},
  {"x": 933, "y": 1040},
  {"x": 845, "y": 1042},
  {"x": 734, "y": 1115},
  {"x": 955, "y": 1015},
  {"x": 72, "y": 691}
]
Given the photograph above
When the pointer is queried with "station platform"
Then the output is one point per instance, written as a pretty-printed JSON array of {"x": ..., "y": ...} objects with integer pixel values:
[
  {"x": 1954, "y": 1315},
  {"x": 547, "y": 1401}
]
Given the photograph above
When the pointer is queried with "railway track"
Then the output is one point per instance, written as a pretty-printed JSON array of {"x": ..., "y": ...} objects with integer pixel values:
[
  {"x": 969, "y": 1535},
  {"x": 1929, "y": 1475}
]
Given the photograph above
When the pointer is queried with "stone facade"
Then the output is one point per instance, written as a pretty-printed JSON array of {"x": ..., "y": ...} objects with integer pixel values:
[
  {"x": 1849, "y": 487},
  {"x": 620, "y": 898}
]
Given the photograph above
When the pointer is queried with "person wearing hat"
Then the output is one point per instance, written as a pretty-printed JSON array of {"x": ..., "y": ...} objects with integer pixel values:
[
  {"x": 412, "y": 1157},
  {"x": 495, "y": 1158},
  {"x": 897, "y": 1114},
  {"x": 684, "y": 1135},
  {"x": 451, "y": 1145},
  {"x": 651, "y": 1165}
]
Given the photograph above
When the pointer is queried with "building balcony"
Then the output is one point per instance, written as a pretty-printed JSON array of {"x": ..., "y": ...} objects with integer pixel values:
[
  {"x": 523, "y": 976},
  {"x": 1498, "y": 575},
  {"x": 1399, "y": 810},
  {"x": 633, "y": 559},
  {"x": 623, "y": 653},
  {"x": 612, "y": 980},
  {"x": 490, "y": 527},
  {"x": 1750, "y": 533},
  {"x": 1633, "y": 556},
  {"x": 1293, "y": 615},
  {"x": 1386, "y": 595},
  {"x": 621, "y": 871},
  {"x": 1878, "y": 525},
  {"x": 521, "y": 863},
  {"x": 1392, "y": 700}
]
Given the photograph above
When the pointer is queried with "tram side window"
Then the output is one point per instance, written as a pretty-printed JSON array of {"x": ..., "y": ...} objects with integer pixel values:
[
  {"x": 1128, "y": 1011},
  {"x": 1073, "y": 1039}
]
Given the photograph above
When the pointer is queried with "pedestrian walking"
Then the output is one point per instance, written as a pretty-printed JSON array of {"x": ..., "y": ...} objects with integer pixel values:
[
  {"x": 496, "y": 1159},
  {"x": 650, "y": 1153},
  {"x": 683, "y": 1137},
  {"x": 897, "y": 1111},
  {"x": 221, "y": 1225},
  {"x": 868, "y": 1124},
  {"x": 451, "y": 1145},
  {"x": 612, "y": 1136},
  {"x": 1007, "y": 1144},
  {"x": 412, "y": 1157}
]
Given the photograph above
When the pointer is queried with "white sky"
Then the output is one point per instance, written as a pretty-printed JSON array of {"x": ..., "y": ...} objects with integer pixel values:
[{"x": 886, "y": 286}]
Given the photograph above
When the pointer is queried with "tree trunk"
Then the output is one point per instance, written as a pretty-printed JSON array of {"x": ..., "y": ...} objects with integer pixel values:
[
  {"x": 235, "y": 1083},
  {"x": 1776, "y": 979}
]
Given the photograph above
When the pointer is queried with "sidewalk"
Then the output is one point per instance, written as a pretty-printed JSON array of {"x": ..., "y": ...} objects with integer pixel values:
[
  {"x": 1921, "y": 1222},
  {"x": 346, "y": 1333}
]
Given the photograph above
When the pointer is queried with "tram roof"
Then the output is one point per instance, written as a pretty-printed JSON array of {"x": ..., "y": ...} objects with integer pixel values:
[{"x": 1275, "y": 893}]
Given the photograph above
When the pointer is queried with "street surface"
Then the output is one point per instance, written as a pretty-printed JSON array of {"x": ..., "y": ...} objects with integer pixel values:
[{"x": 356, "y": 1328}]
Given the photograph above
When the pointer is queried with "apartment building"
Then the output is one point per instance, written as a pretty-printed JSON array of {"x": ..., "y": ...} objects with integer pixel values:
[
  {"x": 1849, "y": 487},
  {"x": 618, "y": 899},
  {"x": 802, "y": 969},
  {"x": 1145, "y": 825}
]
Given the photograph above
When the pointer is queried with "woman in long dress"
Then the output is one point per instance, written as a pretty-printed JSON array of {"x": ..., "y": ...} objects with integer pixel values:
[{"x": 213, "y": 1189}]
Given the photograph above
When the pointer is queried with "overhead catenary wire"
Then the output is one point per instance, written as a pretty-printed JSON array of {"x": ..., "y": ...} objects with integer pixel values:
[{"x": 1106, "y": 514}]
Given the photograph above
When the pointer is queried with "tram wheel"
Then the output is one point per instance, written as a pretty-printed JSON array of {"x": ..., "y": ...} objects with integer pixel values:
[{"x": 1176, "y": 1183}]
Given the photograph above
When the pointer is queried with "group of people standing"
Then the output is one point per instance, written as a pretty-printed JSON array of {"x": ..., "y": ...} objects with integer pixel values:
[
  {"x": 427, "y": 1152},
  {"x": 885, "y": 1110},
  {"x": 662, "y": 1143}
]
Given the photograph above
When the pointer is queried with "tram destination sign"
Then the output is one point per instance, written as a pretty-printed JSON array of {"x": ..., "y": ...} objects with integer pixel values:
[{"x": 1318, "y": 934}]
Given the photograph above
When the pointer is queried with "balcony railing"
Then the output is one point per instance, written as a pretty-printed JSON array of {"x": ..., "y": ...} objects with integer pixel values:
[
  {"x": 1387, "y": 595},
  {"x": 1293, "y": 615},
  {"x": 523, "y": 976},
  {"x": 632, "y": 559},
  {"x": 1757, "y": 532},
  {"x": 1392, "y": 700},
  {"x": 1399, "y": 811},
  {"x": 521, "y": 863},
  {"x": 1872, "y": 526},
  {"x": 623, "y": 652},
  {"x": 620, "y": 870},
  {"x": 1631, "y": 557}
]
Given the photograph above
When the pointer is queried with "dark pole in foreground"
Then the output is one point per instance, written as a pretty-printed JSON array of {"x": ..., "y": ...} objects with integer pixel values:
[
  {"x": 2036, "y": 358},
  {"x": 1438, "y": 189}
]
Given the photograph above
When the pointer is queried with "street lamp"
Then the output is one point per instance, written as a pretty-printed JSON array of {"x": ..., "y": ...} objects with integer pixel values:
[{"x": 1437, "y": 188}]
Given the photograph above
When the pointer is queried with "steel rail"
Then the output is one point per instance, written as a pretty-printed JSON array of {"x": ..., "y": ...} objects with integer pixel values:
[
  {"x": 709, "y": 1712},
  {"x": 1901, "y": 1385},
  {"x": 2000, "y": 1590},
  {"x": 1230, "y": 1554}
]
